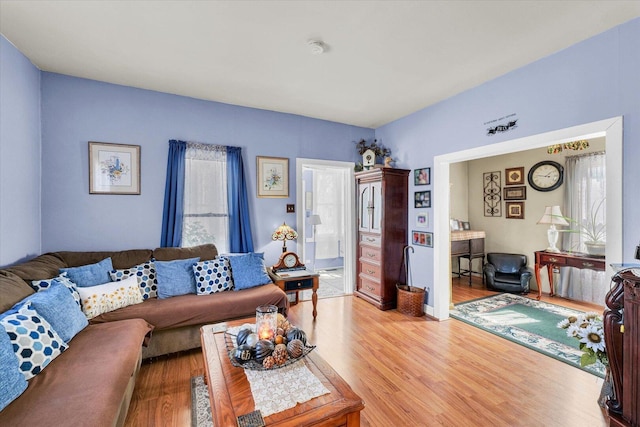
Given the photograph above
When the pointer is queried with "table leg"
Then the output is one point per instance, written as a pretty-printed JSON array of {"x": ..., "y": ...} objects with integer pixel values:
[
  {"x": 537, "y": 273},
  {"x": 314, "y": 297},
  {"x": 550, "y": 268}
]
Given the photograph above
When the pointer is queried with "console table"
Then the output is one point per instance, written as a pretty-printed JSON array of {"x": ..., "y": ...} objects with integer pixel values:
[
  {"x": 468, "y": 244},
  {"x": 564, "y": 259}
]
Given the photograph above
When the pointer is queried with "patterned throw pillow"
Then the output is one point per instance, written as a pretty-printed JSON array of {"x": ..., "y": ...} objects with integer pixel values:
[
  {"x": 12, "y": 382},
  {"x": 213, "y": 276},
  {"x": 34, "y": 342},
  {"x": 38, "y": 285},
  {"x": 110, "y": 296},
  {"x": 146, "y": 275}
]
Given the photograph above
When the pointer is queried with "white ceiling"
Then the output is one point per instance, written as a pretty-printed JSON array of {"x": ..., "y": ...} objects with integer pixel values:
[{"x": 385, "y": 59}]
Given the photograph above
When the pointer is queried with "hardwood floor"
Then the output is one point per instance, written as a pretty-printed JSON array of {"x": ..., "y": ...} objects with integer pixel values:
[{"x": 409, "y": 371}]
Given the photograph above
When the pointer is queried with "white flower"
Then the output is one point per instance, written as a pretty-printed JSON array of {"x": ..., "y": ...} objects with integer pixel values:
[
  {"x": 592, "y": 337},
  {"x": 573, "y": 330},
  {"x": 564, "y": 324}
]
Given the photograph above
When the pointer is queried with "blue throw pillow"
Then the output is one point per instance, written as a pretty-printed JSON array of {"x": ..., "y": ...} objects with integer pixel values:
[
  {"x": 213, "y": 276},
  {"x": 176, "y": 277},
  {"x": 248, "y": 271},
  {"x": 35, "y": 343},
  {"x": 90, "y": 275},
  {"x": 12, "y": 382},
  {"x": 39, "y": 285},
  {"x": 57, "y": 306}
]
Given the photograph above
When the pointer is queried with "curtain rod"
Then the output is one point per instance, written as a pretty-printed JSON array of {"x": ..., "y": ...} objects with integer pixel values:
[{"x": 595, "y": 153}]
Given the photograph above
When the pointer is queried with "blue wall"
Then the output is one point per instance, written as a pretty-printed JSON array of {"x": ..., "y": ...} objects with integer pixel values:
[
  {"x": 590, "y": 81},
  {"x": 19, "y": 156},
  {"x": 75, "y": 111}
]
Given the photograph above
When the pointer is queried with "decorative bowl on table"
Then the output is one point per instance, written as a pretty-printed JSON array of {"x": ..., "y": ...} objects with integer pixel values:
[{"x": 287, "y": 346}]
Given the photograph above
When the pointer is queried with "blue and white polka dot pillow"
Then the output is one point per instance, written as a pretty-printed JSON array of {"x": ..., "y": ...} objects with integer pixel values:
[
  {"x": 33, "y": 339},
  {"x": 146, "y": 275},
  {"x": 213, "y": 276},
  {"x": 39, "y": 285}
]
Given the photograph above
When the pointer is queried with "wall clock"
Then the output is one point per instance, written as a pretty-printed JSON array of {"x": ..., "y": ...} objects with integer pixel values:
[
  {"x": 546, "y": 175},
  {"x": 368, "y": 159},
  {"x": 288, "y": 260}
]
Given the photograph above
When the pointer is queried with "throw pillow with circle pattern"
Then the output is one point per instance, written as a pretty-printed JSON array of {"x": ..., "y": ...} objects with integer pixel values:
[
  {"x": 213, "y": 276},
  {"x": 146, "y": 275},
  {"x": 39, "y": 285},
  {"x": 34, "y": 341}
]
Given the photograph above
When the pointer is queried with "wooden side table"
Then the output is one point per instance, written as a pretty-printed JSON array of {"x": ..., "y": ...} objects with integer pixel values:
[
  {"x": 564, "y": 259},
  {"x": 296, "y": 281}
]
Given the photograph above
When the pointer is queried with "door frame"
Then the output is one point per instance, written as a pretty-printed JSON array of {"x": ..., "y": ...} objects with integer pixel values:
[
  {"x": 349, "y": 205},
  {"x": 611, "y": 129}
]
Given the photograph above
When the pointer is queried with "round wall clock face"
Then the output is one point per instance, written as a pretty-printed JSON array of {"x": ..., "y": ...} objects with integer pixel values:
[{"x": 546, "y": 176}]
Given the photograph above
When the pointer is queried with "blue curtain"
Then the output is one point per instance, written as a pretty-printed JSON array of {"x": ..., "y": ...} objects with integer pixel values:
[
  {"x": 174, "y": 195},
  {"x": 240, "y": 239}
]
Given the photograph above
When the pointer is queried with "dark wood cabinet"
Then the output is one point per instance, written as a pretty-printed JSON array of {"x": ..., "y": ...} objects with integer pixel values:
[
  {"x": 622, "y": 337},
  {"x": 382, "y": 233}
]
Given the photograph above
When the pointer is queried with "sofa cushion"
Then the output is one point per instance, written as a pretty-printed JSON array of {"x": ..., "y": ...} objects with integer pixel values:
[
  {"x": 176, "y": 277},
  {"x": 44, "y": 266},
  {"x": 248, "y": 270},
  {"x": 12, "y": 382},
  {"x": 90, "y": 274},
  {"x": 213, "y": 276},
  {"x": 62, "y": 278},
  {"x": 12, "y": 290},
  {"x": 192, "y": 309},
  {"x": 34, "y": 341},
  {"x": 85, "y": 386},
  {"x": 59, "y": 308},
  {"x": 109, "y": 296},
  {"x": 204, "y": 252},
  {"x": 145, "y": 273}
]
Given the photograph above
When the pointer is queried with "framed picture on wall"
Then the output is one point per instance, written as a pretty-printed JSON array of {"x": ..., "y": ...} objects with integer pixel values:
[
  {"x": 422, "y": 199},
  {"x": 514, "y": 176},
  {"x": 422, "y": 238},
  {"x": 515, "y": 193},
  {"x": 422, "y": 176},
  {"x": 422, "y": 220},
  {"x": 273, "y": 176},
  {"x": 515, "y": 210},
  {"x": 114, "y": 168}
]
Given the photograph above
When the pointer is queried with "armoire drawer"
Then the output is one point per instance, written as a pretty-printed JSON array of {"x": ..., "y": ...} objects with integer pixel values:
[
  {"x": 370, "y": 287},
  {"x": 370, "y": 239},
  {"x": 370, "y": 254},
  {"x": 371, "y": 270}
]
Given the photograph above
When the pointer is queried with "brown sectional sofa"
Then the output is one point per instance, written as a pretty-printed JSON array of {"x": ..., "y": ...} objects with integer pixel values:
[{"x": 92, "y": 382}]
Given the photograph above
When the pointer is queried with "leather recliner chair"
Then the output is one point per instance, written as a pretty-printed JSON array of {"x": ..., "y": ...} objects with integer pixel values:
[{"x": 507, "y": 272}]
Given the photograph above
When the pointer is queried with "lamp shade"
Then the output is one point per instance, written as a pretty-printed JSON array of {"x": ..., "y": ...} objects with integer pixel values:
[
  {"x": 284, "y": 232},
  {"x": 315, "y": 220},
  {"x": 553, "y": 215}
]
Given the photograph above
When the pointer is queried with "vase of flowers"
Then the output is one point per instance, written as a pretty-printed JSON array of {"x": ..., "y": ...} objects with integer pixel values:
[{"x": 589, "y": 330}]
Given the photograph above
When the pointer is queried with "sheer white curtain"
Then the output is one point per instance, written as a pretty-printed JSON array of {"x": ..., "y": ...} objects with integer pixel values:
[
  {"x": 206, "y": 216},
  {"x": 328, "y": 189},
  {"x": 584, "y": 191}
]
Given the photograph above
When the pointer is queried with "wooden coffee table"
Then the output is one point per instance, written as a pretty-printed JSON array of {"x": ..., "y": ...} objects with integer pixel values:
[{"x": 230, "y": 392}]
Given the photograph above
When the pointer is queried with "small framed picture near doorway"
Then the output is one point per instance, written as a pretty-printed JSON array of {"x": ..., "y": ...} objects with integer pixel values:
[
  {"x": 273, "y": 176},
  {"x": 422, "y": 176},
  {"x": 515, "y": 210},
  {"x": 114, "y": 168},
  {"x": 422, "y": 199}
]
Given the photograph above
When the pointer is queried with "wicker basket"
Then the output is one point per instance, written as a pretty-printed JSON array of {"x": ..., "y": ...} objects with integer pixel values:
[{"x": 410, "y": 300}]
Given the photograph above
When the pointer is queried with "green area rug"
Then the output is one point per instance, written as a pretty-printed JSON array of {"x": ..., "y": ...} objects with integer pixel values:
[{"x": 528, "y": 322}]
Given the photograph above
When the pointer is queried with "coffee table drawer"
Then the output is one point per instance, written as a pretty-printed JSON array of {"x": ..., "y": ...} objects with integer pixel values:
[{"x": 296, "y": 285}]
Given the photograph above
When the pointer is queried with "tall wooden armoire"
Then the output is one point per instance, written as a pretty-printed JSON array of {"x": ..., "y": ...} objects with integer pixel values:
[
  {"x": 382, "y": 233},
  {"x": 622, "y": 338}
]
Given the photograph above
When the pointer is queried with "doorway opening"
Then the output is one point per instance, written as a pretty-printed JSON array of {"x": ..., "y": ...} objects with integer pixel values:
[
  {"x": 325, "y": 216},
  {"x": 610, "y": 129}
]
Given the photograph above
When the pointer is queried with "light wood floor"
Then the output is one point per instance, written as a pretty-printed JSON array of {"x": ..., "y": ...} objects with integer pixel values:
[{"x": 409, "y": 371}]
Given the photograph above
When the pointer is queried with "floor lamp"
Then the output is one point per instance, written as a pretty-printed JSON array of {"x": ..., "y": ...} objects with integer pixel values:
[{"x": 314, "y": 220}]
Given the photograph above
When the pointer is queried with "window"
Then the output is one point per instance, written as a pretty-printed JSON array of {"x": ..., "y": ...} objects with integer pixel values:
[{"x": 206, "y": 215}]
